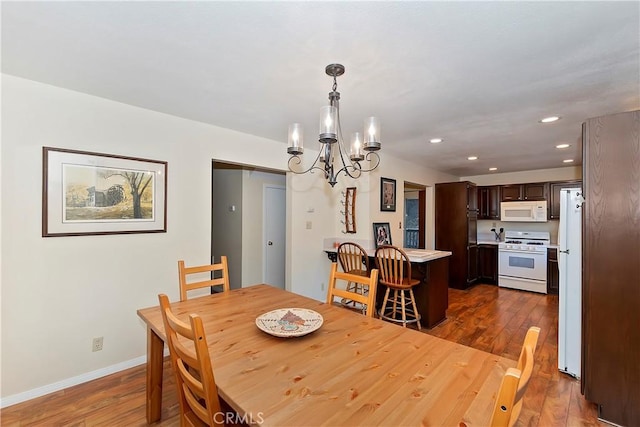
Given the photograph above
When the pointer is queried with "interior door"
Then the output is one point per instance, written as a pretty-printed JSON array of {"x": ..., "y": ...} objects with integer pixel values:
[{"x": 274, "y": 235}]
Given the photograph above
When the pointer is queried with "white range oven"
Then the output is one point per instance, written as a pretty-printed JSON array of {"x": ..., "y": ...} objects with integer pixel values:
[{"x": 522, "y": 261}]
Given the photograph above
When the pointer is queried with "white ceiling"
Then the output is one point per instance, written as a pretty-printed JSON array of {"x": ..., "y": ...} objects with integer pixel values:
[{"x": 478, "y": 74}]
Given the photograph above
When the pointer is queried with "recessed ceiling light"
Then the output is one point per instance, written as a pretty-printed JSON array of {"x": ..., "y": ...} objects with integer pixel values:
[
  {"x": 568, "y": 161},
  {"x": 435, "y": 140},
  {"x": 563, "y": 146},
  {"x": 550, "y": 119},
  {"x": 472, "y": 158},
  {"x": 493, "y": 169}
]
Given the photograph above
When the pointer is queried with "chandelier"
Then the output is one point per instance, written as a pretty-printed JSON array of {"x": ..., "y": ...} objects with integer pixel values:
[{"x": 331, "y": 142}]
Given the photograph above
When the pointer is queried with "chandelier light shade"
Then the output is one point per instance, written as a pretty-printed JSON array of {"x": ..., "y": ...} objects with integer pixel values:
[
  {"x": 295, "y": 139},
  {"x": 333, "y": 157}
]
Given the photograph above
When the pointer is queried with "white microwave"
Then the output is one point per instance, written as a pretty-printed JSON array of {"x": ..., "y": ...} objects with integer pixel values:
[{"x": 525, "y": 211}]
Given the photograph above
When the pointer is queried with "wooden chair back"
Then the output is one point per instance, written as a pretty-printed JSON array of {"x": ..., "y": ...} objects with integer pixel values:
[
  {"x": 353, "y": 258},
  {"x": 371, "y": 281},
  {"x": 394, "y": 266},
  {"x": 189, "y": 283},
  {"x": 514, "y": 384},
  {"x": 197, "y": 390},
  {"x": 530, "y": 340}
]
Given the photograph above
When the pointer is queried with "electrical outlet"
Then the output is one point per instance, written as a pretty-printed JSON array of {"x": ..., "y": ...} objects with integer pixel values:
[
  {"x": 493, "y": 224},
  {"x": 97, "y": 344},
  {"x": 322, "y": 286}
]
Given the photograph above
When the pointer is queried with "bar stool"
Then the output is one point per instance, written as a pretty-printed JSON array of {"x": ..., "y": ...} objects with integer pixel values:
[{"x": 395, "y": 273}]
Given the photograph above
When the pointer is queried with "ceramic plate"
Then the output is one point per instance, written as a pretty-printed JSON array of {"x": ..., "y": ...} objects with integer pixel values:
[{"x": 289, "y": 322}]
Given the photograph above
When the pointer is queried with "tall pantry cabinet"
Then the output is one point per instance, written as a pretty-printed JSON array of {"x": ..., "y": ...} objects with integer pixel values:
[
  {"x": 456, "y": 218},
  {"x": 611, "y": 267}
]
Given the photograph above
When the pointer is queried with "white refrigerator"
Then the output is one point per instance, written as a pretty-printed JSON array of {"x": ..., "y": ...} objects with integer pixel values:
[{"x": 570, "y": 293}]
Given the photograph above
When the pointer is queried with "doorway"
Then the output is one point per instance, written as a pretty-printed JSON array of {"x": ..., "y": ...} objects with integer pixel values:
[
  {"x": 238, "y": 217},
  {"x": 414, "y": 215}
]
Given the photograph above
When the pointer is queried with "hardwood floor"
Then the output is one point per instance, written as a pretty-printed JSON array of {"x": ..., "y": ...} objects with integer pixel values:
[
  {"x": 485, "y": 317},
  {"x": 496, "y": 320}
]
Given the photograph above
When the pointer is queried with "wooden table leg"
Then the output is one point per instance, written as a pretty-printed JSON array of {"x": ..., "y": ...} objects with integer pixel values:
[{"x": 155, "y": 349}]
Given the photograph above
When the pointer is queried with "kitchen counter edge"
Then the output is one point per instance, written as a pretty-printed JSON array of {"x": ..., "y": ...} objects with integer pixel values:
[{"x": 411, "y": 253}]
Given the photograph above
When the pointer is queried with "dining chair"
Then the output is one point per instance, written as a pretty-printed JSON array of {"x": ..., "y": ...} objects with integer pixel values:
[
  {"x": 353, "y": 259},
  {"x": 395, "y": 273},
  {"x": 514, "y": 384},
  {"x": 192, "y": 277},
  {"x": 368, "y": 300},
  {"x": 196, "y": 385}
]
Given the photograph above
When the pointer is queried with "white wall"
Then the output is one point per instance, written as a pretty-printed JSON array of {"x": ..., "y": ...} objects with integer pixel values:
[
  {"x": 227, "y": 223},
  {"x": 538, "y": 175},
  {"x": 58, "y": 293},
  {"x": 403, "y": 171}
]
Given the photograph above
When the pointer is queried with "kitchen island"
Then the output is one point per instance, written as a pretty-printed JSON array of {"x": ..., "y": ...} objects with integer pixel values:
[{"x": 431, "y": 267}]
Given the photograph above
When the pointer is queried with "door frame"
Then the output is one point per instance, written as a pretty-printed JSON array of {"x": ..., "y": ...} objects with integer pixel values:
[{"x": 422, "y": 211}]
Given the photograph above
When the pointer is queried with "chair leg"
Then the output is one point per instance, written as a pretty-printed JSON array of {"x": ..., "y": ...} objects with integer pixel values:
[
  {"x": 404, "y": 309},
  {"x": 415, "y": 309},
  {"x": 384, "y": 302},
  {"x": 401, "y": 305},
  {"x": 395, "y": 303}
]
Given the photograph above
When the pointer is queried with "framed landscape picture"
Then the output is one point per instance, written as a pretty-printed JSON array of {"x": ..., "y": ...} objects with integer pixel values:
[
  {"x": 387, "y": 194},
  {"x": 381, "y": 233},
  {"x": 86, "y": 193}
]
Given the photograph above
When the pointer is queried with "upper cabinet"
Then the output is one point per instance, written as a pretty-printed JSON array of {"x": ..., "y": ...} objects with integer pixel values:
[
  {"x": 536, "y": 191},
  {"x": 488, "y": 198},
  {"x": 554, "y": 195},
  {"x": 472, "y": 197},
  {"x": 511, "y": 192},
  {"x": 532, "y": 191},
  {"x": 489, "y": 202}
]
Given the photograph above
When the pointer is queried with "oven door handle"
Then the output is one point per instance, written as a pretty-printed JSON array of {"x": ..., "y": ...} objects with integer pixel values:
[{"x": 515, "y": 251}]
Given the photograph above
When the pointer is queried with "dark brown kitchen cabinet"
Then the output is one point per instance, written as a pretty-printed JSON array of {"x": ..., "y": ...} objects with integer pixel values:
[
  {"x": 535, "y": 191},
  {"x": 511, "y": 192},
  {"x": 531, "y": 191},
  {"x": 553, "y": 275},
  {"x": 488, "y": 264},
  {"x": 611, "y": 267},
  {"x": 472, "y": 263},
  {"x": 489, "y": 202},
  {"x": 554, "y": 195},
  {"x": 456, "y": 218}
]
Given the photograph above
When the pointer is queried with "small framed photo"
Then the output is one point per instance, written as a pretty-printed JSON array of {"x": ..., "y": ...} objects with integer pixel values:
[
  {"x": 381, "y": 233},
  {"x": 87, "y": 193},
  {"x": 387, "y": 194}
]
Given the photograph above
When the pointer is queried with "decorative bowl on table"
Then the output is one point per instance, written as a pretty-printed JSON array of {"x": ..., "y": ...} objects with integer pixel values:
[{"x": 289, "y": 322}]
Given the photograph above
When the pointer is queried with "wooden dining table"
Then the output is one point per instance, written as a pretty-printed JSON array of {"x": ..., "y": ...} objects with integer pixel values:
[{"x": 352, "y": 371}]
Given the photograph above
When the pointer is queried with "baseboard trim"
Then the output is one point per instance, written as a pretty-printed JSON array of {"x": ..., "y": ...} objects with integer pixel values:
[{"x": 69, "y": 382}]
